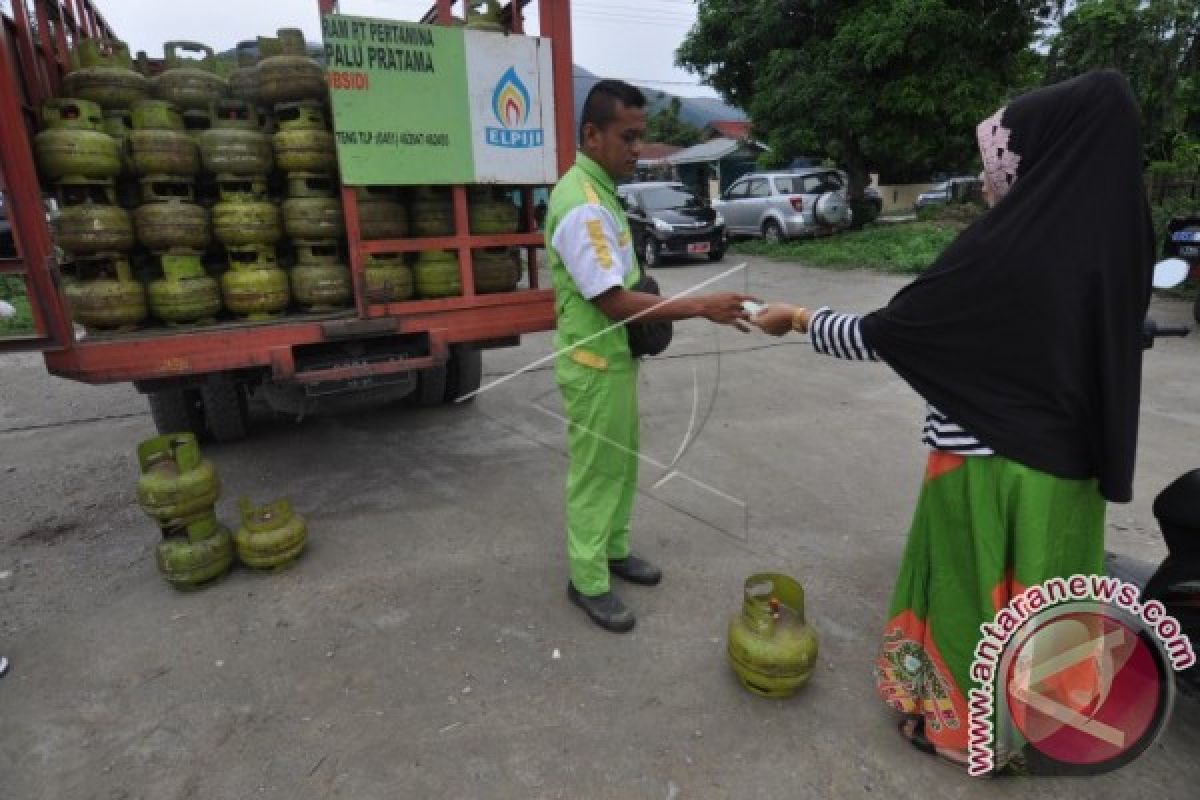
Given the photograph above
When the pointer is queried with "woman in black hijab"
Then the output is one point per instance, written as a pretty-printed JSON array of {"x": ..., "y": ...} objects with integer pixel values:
[{"x": 1024, "y": 339}]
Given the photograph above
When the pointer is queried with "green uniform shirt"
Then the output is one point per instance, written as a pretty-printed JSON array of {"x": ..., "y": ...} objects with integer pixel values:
[{"x": 590, "y": 250}]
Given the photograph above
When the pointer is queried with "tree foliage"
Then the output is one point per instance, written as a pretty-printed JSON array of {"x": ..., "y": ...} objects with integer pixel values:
[
  {"x": 877, "y": 85},
  {"x": 1155, "y": 43},
  {"x": 667, "y": 126}
]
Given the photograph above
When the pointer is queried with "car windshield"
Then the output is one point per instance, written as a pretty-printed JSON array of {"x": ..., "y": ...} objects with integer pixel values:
[
  {"x": 668, "y": 197},
  {"x": 809, "y": 184}
]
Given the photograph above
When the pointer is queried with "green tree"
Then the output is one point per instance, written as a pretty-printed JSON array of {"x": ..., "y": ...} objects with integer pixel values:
[
  {"x": 878, "y": 85},
  {"x": 668, "y": 127},
  {"x": 1155, "y": 43}
]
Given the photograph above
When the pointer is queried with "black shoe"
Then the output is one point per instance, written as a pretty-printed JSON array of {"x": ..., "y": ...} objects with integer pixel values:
[
  {"x": 606, "y": 610},
  {"x": 635, "y": 570}
]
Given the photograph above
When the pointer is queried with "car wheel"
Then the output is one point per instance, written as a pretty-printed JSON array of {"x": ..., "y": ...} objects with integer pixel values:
[
  {"x": 772, "y": 232},
  {"x": 650, "y": 253},
  {"x": 1196, "y": 310},
  {"x": 717, "y": 254}
]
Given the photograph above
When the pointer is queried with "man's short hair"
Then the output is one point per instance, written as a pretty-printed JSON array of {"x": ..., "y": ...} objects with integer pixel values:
[{"x": 600, "y": 107}]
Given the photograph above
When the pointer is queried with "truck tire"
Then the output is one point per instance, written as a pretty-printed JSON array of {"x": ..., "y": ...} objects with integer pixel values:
[
  {"x": 431, "y": 387},
  {"x": 464, "y": 372},
  {"x": 176, "y": 410},
  {"x": 225, "y": 413}
]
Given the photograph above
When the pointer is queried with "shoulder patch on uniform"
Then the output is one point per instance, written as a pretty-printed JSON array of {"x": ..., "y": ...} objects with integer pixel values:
[
  {"x": 589, "y": 192},
  {"x": 595, "y": 229}
]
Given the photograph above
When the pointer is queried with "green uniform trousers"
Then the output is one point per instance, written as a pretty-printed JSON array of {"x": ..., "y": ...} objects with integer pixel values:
[{"x": 602, "y": 480}]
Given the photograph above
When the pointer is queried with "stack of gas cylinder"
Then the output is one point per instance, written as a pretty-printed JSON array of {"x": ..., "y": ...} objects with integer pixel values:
[
  {"x": 178, "y": 489},
  {"x": 183, "y": 196}
]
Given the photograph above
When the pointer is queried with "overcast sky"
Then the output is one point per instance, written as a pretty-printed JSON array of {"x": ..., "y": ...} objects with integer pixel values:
[{"x": 630, "y": 39}]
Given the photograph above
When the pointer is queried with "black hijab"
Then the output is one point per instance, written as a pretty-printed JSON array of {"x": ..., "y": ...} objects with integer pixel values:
[{"x": 1026, "y": 331}]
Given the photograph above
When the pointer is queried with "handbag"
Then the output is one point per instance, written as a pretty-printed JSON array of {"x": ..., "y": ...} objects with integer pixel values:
[{"x": 648, "y": 338}]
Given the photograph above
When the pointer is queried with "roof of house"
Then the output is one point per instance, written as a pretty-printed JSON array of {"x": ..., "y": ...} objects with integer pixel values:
[
  {"x": 712, "y": 150},
  {"x": 657, "y": 151},
  {"x": 731, "y": 128}
]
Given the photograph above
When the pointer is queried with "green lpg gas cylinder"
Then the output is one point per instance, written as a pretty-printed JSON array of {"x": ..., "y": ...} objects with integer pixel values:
[
  {"x": 190, "y": 83},
  {"x": 380, "y": 214},
  {"x": 311, "y": 211},
  {"x": 255, "y": 287},
  {"x": 103, "y": 73},
  {"x": 73, "y": 145},
  {"x": 290, "y": 75},
  {"x": 304, "y": 143},
  {"x": 89, "y": 222},
  {"x": 235, "y": 144},
  {"x": 495, "y": 270},
  {"x": 188, "y": 564},
  {"x": 389, "y": 279},
  {"x": 104, "y": 295},
  {"x": 321, "y": 281},
  {"x": 177, "y": 484},
  {"x": 772, "y": 649},
  {"x": 185, "y": 293},
  {"x": 243, "y": 81},
  {"x": 491, "y": 212},
  {"x": 270, "y": 536},
  {"x": 244, "y": 215},
  {"x": 437, "y": 274},
  {"x": 159, "y": 143},
  {"x": 168, "y": 218},
  {"x": 431, "y": 212}
]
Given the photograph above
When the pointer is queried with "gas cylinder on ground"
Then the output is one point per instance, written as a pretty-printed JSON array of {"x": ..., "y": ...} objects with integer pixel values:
[
  {"x": 303, "y": 143},
  {"x": 437, "y": 274},
  {"x": 169, "y": 218},
  {"x": 255, "y": 287},
  {"x": 74, "y": 146},
  {"x": 771, "y": 647},
  {"x": 290, "y": 75},
  {"x": 159, "y": 144},
  {"x": 490, "y": 212},
  {"x": 431, "y": 212},
  {"x": 495, "y": 270},
  {"x": 185, "y": 293},
  {"x": 195, "y": 555},
  {"x": 190, "y": 83},
  {"x": 177, "y": 484},
  {"x": 103, "y": 294},
  {"x": 388, "y": 278},
  {"x": 270, "y": 536},
  {"x": 380, "y": 214},
  {"x": 244, "y": 215},
  {"x": 312, "y": 212},
  {"x": 102, "y": 72},
  {"x": 321, "y": 280},
  {"x": 89, "y": 222},
  {"x": 235, "y": 144}
]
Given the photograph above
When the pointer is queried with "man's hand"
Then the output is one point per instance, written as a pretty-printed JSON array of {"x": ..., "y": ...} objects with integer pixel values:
[
  {"x": 725, "y": 308},
  {"x": 776, "y": 320}
]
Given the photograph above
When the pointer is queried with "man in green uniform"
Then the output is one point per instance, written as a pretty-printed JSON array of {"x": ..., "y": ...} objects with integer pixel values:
[{"x": 591, "y": 257}]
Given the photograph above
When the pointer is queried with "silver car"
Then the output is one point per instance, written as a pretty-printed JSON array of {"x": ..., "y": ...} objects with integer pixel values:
[{"x": 786, "y": 204}]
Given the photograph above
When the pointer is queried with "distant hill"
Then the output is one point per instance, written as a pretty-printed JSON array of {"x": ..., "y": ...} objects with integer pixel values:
[{"x": 699, "y": 111}]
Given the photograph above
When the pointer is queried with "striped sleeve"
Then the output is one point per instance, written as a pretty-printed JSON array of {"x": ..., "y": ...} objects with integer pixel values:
[
  {"x": 839, "y": 335},
  {"x": 942, "y": 433}
]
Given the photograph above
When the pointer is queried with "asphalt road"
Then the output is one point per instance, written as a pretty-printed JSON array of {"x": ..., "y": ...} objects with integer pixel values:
[{"x": 424, "y": 646}]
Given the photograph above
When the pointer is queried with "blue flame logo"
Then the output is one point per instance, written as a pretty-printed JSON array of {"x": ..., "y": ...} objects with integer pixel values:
[{"x": 510, "y": 100}]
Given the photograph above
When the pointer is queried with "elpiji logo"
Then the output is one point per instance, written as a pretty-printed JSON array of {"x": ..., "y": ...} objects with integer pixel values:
[{"x": 511, "y": 104}]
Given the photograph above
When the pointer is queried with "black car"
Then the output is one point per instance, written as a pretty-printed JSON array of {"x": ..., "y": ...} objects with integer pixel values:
[{"x": 669, "y": 219}]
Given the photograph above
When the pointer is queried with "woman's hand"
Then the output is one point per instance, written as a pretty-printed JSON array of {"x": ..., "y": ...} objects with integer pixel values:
[{"x": 776, "y": 320}]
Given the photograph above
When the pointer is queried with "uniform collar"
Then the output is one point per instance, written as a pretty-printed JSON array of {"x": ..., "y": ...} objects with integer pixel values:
[{"x": 596, "y": 172}]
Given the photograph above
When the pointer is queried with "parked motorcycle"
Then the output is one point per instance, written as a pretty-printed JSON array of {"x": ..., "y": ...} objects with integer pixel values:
[
  {"x": 1183, "y": 242},
  {"x": 1176, "y": 581}
]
